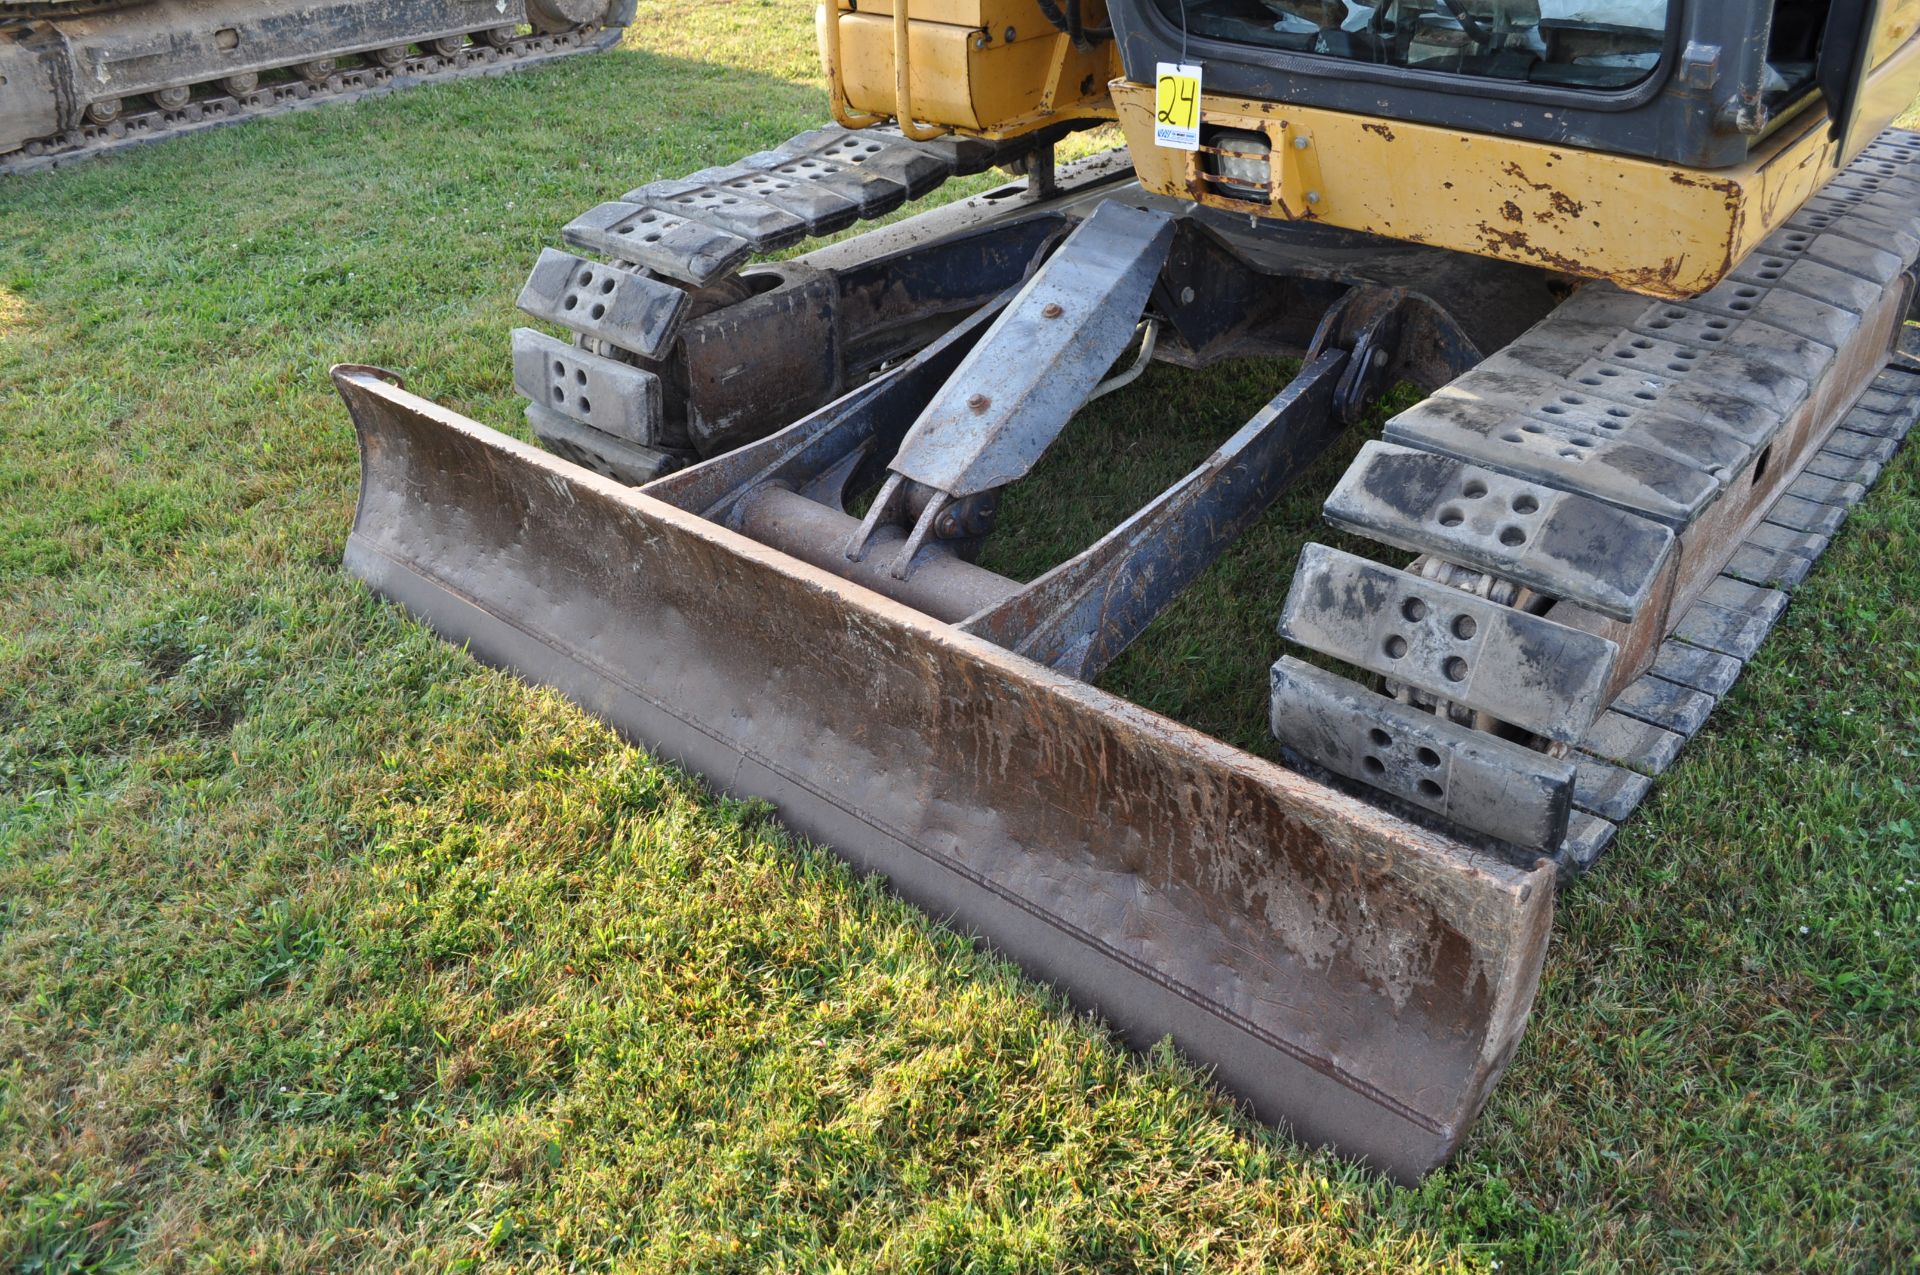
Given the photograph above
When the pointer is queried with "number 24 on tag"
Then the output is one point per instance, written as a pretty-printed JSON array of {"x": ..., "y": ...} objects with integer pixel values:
[{"x": 1176, "y": 107}]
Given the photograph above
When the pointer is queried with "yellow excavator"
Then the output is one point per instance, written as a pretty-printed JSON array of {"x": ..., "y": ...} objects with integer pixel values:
[{"x": 1650, "y": 263}]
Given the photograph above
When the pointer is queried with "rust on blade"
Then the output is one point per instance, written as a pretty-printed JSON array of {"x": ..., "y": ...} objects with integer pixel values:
[{"x": 1356, "y": 978}]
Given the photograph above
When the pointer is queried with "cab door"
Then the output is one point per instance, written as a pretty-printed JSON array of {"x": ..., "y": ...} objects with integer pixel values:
[{"x": 1867, "y": 68}]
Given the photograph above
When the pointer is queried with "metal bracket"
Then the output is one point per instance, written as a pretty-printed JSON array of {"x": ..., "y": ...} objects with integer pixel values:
[{"x": 1081, "y": 615}]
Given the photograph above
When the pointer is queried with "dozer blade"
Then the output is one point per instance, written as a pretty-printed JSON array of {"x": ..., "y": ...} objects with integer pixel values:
[{"x": 1353, "y": 976}]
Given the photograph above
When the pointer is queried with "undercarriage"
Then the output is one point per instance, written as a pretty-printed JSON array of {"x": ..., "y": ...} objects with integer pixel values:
[{"x": 755, "y": 545}]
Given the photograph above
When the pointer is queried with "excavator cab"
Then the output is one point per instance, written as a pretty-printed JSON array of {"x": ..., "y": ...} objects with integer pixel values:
[
  {"x": 1650, "y": 263},
  {"x": 1690, "y": 84},
  {"x": 1652, "y": 142}
]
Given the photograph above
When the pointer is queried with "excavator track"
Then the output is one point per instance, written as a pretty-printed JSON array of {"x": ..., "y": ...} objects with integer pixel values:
[
  {"x": 212, "y": 105},
  {"x": 1654, "y": 479},
  {"x": 673, "y": 249}
]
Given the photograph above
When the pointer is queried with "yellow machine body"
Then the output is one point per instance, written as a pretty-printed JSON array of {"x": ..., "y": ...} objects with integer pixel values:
[
  {"x": 1648, "y": 226},
  {"x": 998, "y": 68},
  {"x": 994, "y": 68}
]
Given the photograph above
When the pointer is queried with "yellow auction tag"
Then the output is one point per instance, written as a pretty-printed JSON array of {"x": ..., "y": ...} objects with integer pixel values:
[{"x": 1176, "y": 118}]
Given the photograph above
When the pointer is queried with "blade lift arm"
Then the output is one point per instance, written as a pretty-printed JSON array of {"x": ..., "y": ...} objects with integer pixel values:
[{"x": 947, "y": 431}]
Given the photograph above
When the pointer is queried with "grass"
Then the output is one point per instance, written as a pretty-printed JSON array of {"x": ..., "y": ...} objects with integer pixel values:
[{"x": 323, "y": 948}]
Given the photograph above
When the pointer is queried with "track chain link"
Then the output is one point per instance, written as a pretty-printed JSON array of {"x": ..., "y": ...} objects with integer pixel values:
[
  {"x": 696, "y": 233},
  {"x": 344, "y": 85},
  {"x": 1628, "y": 421}
]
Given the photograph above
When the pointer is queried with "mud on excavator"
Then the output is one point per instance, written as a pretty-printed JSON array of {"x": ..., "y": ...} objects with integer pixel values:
[
  {"x": 78, "y": 77},
  {"x": 1650, "y": 261}
]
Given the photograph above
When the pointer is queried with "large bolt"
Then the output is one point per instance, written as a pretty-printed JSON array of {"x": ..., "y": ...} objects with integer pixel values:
[
  {"x": 1051, "y": 310},
  {"x": 979, "y": 402}
]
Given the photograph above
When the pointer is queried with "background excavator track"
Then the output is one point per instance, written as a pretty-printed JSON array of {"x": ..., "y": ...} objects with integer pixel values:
[{"x": 197, "y": 105}]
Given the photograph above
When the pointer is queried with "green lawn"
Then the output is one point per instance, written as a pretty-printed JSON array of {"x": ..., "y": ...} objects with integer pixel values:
[{"x": 323, "y": 948}]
